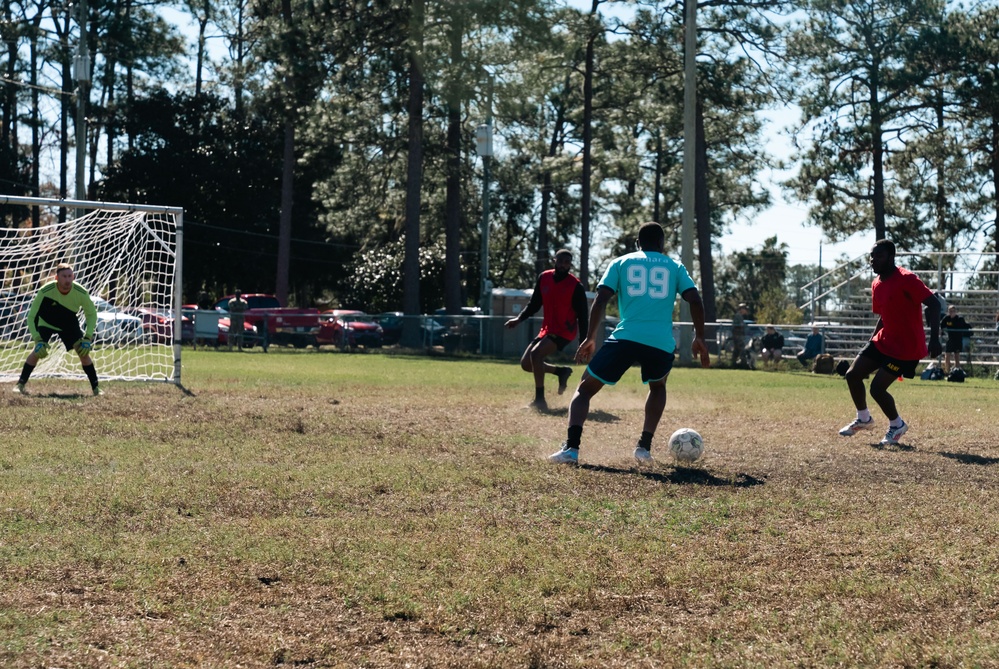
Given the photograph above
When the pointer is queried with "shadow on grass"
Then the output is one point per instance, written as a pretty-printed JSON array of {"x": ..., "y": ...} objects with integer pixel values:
[
  {"x": 593, "y": 416},
  {"x": 683, "y": 476},
  {"x": 893, "y": 447},
  {"x": 970, "y": 459}
]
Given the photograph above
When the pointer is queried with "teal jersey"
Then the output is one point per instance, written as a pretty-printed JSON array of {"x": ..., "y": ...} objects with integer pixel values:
[
  {"x": 647, "y": 284},
  {"x": 58, "y": 312}
]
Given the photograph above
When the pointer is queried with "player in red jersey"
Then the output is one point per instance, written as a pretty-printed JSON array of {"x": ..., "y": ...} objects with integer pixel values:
[
  {"x": 566, "y": 314},
  {"x": 898, "y": 297}
]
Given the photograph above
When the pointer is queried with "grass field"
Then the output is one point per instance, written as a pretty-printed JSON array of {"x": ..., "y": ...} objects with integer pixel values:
[{"x": 370, "y": 510}]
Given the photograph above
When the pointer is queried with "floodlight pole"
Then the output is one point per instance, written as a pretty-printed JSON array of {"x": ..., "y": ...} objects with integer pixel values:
[
  {"x": 689, "y": 166},
  {"x": 484, "y": 142}
]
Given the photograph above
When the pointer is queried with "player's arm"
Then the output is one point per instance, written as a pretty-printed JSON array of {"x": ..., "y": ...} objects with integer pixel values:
[
  {"x": 877, "y": 328},
  {"x": 933, "y": 323},
  {"x": 533, "y": 307},
  {"x": 693, "y": 298},
  {"x": 582, "y": 311},
  {"x": 597, "y": 313},
  {"x": 36, "y": 304},
  {"x": 90, "y": 316}
]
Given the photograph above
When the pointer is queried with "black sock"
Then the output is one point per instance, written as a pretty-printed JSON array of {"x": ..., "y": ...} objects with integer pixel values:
[
  {"x": 91, "y": 373},
  {"x": 645, "y": 441},
  {"x": 26, "y": 373},
  {"x": 539, "y": 394},
  {"x": 575, "y": 435}
]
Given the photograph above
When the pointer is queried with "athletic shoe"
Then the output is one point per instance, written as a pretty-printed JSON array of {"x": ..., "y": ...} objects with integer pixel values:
[
  {"x": 540, "y": 406},
  {"x": 19, "y": 389},
  {"x": 97, "y": 391},
  {"x": 643, "y": 454},
  {"x": 563, "y": 378},
  {"x": 856, "y": 426},
  {"x": 893, "y": 433},
  {"x": 565, "y": 456}
]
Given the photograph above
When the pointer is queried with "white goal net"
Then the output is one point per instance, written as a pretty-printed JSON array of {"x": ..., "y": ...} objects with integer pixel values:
[{"x": 125, "y": 255}]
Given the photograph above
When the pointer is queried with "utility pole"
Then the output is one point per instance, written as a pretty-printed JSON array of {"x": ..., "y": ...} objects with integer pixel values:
[
  {"x": 484, "y": 147},
  {"x": 81, "y": 73},
  {"x": 687, "y": 192}
]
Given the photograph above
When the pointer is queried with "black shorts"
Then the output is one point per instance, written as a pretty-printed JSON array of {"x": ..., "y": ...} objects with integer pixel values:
[
  {"x": 68, "y": 336},
  {"x": 560, "y": 342},
  {"x": 617, "y": 356},
  {"x": 906, "y": 368},
  {"x": 955, "y": 344}
]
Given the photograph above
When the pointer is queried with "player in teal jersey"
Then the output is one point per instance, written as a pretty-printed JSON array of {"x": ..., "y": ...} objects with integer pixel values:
[
  {"x": 646, "y": 283},
  {"x": 54, "y": 312}
]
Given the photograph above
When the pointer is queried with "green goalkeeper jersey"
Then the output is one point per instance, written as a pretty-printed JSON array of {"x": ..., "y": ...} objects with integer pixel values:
[{"x": 53, "y": 310}]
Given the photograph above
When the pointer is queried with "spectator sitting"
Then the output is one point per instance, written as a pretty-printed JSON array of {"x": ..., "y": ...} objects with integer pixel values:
[
  {"x": 772, "y": 346},
  {"x": 958, "y": 331},
  {"x": 813, "y": 347}
]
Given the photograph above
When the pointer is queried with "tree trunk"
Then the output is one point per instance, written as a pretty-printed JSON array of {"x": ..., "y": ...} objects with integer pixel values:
[
  {"x": 877, "y": 164},
  {"x": 414, "y": 175},
  {"x": 995, "y": 179},
  {"x": 287, "y": 173},
  {"x": 452, "y": 211},
  {"x": 584, "y": 230},
  {"x": 702, "y": 214}
]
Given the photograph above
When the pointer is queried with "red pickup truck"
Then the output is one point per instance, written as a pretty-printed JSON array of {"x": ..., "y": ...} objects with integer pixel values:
[{"x": 284, "y": 326}]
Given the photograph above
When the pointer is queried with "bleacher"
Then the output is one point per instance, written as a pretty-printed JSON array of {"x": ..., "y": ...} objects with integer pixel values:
[{"x": 842, "y": 299}]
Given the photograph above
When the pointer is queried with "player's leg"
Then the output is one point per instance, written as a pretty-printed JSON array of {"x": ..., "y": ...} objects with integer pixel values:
[
  {"x": 606, "y": 367},
  {"x": 525, "y": 359},
  {"x": 656, "y": 366},
  {"x": 539, "y": 350},
  {"x": 879, "y": 392},
  {"x": 579, "y": 408},
  {"x": 861, "y": 367},
  {"x": 73, "y": 339},
  {"x": 39, "y": 352}
]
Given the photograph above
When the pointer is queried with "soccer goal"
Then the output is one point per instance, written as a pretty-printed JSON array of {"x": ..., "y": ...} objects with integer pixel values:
[{"x": 127, "y": 256}]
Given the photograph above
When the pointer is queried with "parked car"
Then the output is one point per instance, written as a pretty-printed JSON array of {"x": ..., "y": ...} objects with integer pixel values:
[
  {"x": 298, "y": 327},
  {"x": 114, "y": 326},
  {"x": 157, "y": 325},
  {"x": 463, "y": 328},
  {"x": 431, "y": 332},
  {"x": 348, "y": 328}
]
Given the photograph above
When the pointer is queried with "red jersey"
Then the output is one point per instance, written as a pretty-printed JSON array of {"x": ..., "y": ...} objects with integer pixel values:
[
  {"x": 899, "y": 301},
  {"x": 556, "y": 299}
]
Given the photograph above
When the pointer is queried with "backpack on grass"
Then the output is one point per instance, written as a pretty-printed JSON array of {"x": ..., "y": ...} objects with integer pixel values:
[
  {"x": 956, "y": 375},
  {"x": 824, "y": 364}
]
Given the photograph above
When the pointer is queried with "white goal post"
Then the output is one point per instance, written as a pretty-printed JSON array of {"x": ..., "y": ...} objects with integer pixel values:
[{"x": 127, "y": 256}]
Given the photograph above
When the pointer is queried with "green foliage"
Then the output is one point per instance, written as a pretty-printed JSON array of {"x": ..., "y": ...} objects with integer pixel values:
[
  {"x": 373, "y": 281},
  {"x": 757, "y": 277}
]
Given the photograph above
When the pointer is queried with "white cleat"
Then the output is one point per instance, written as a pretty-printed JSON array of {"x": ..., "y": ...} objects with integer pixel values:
[
  {"x": 856, "y": 426},
  {"x": 893, "y": 433}
]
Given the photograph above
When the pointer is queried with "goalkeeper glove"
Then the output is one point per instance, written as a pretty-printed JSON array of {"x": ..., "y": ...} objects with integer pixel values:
[
  {"x": 41, "y": 350},
  {"x": 83, "y": 347}
]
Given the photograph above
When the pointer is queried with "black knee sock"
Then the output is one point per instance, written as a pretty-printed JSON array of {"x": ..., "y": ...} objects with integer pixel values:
[
  {"x": 91, "y": 373},
  {"x": 539, "y": 394},
  {"x": 26, "y": 373},
  {"x": 645, "y": 441},
  {"x": 575, "y": 435}
]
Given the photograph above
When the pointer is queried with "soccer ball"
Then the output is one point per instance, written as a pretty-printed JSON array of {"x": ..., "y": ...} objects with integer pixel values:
[{"x": 686, "y": 445}]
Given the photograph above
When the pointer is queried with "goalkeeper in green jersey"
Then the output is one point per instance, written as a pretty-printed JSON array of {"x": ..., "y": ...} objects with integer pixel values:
[{"x": 54, "y": 312}]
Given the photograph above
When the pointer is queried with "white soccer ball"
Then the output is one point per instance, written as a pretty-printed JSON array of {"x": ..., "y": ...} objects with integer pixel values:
[{"x": 686, "y": 445}]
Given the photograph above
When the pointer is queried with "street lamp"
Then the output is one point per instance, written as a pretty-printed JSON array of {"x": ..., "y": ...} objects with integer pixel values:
[{"x": 484, "y": 147}]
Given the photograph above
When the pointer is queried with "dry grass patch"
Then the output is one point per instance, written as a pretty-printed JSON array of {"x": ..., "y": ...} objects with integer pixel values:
[{"x": 382, "y": 511}]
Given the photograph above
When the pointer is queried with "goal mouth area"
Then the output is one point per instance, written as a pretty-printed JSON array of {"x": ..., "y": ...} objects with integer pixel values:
[{"x": 127, "y": 256}]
